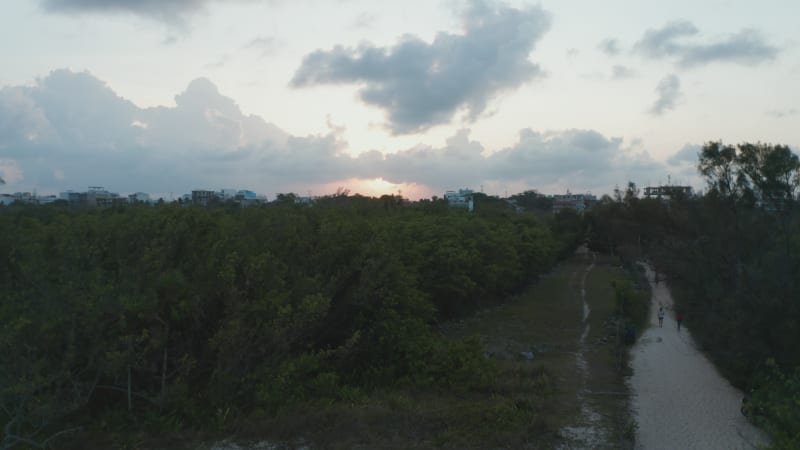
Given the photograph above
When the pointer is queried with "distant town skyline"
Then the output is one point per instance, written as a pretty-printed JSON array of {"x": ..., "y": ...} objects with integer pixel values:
[{"x": 385, "y": 97}]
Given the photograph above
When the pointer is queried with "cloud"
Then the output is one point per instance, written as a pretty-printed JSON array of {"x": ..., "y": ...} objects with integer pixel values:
[
  {"x": 72, "y": 126},
  {"x": 169, "y": 11},
  {"x": 264, "y": 45},
  {"x": 364, "y": 20},
  {"x": 747, "y": 47},
  {"x": 219, "y": 63},
  {"x": 669, "y": 92},
  {"x": 609, "y": 47},
  {"x": 686, "y": 155},
  {"x": 422, "y": 84},
  {"x": 661, "y": 42},
  {"x": 70, "y": 130},
  {"x": 620, "y": 72},
  {"x": 10, "y": 172},
  {"x": 583, "y": 159},
  {"x": 781, "y": 113}
]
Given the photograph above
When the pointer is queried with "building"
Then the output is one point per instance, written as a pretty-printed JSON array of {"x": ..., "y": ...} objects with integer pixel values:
[
  {"x": 73, "y": 198},
  {"x": 227, "y": 194},
  {"x": 46, "y": 199},
  {"x": 460, "y": 199},
  {"x": 247, "y": 198},
  {"x": 578, "y": 202},
  {"x": 25, "y": 197},
  {"x": 99, "y": 196},
  {"x": 7, "y": 199},
  {"x": 203, "y": 197},
  {"x": 667, "y": 192},
  {"x": 139, "y": 197}
]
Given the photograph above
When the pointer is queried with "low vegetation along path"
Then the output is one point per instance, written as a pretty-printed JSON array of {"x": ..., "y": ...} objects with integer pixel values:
[{"x": 679, "y": 398}]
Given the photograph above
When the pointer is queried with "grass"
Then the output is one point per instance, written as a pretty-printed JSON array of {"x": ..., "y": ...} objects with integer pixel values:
[{"x": 607, "y": 362}]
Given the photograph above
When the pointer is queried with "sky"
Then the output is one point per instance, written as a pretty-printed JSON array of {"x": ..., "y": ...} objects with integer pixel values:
[{"x": 381, "y": 97}]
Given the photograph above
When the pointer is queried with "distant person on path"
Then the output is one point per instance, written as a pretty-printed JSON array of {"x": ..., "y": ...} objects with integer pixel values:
[
  {"x": 661, "y": 317},
  {"x": 679, "y": 318}
]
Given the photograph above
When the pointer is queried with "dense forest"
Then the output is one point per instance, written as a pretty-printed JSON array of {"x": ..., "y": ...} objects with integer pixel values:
[
  {"x": 184, "y": 316},
  {"x": 732, "y": 257},
  {"x": 178, "y": 316}
]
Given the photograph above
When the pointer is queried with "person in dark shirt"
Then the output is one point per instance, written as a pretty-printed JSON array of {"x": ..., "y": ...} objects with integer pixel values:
[{"x": 679, "y": 319}]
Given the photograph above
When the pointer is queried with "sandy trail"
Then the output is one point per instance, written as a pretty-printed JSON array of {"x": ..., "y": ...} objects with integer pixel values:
[{"x": 679, "y": 399}]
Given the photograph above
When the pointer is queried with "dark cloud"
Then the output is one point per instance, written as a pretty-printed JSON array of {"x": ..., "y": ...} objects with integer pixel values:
[
  {"x": 171, "y": 11},
  {"x": 582, "y": 159},
  {"x": 686, "y": 155},
  {"x": 70, "y": 130},
  {"x": 609, "y": 47},
  {"x": 422, "y": 84},
  {"x": 746, "y": 47},
  {"x": 661, "y": 42},
  {"x": 669, "y": 92}
]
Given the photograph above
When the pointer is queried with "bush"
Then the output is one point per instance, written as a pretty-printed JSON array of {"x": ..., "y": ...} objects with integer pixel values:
[{"x": 775, "y": 405}]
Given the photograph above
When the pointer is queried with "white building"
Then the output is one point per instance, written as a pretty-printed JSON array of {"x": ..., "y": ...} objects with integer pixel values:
[
  {"x": 460, "y": 199},
  {"x": 6, "y": 199}
]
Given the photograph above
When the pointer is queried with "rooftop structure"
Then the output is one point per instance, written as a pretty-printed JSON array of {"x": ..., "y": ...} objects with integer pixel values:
[
  {"x": 667, "y": 192},
  {"x": 578, "y": 202}
]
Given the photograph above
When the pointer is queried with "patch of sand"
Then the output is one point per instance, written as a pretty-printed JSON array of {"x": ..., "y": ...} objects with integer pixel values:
[{"x": 680, "y": 401}]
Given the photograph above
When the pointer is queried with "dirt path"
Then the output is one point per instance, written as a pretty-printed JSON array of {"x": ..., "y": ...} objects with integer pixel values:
[
  {"x": 590, "y": 432},
  {"x": 679, "y": 398}
]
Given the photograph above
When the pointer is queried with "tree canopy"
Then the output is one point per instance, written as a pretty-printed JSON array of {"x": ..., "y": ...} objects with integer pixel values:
[{"x": 176, "y": 312}]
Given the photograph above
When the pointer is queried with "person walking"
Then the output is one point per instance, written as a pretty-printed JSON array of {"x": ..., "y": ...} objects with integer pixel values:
[
  {"x": 660, "y": 317},
  {"x": 679, "y": 319}
]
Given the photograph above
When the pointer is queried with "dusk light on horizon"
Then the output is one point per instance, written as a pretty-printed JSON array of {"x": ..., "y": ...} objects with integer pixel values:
[{"x": 385, "y": 97}]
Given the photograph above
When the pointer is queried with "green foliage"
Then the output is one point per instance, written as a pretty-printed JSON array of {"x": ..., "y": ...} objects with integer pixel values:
[
  {"x": 631, "y": 304},
  {"x": 179, "y": 315},
  {"x": 732, "y": 258},
  {"x": 775, "y": 405},
  {"x": 533, "y": 200}
]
